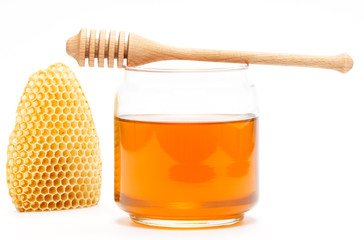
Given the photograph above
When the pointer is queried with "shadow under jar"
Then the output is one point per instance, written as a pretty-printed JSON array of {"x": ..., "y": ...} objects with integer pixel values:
[{"x": 186, "y": 145}]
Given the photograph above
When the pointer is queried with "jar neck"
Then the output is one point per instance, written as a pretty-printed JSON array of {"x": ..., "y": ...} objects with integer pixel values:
[{"x": 181, "y": 91}]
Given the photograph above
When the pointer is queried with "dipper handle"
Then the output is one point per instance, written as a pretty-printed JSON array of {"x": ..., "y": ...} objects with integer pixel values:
[{"x": 138, "y": 51}]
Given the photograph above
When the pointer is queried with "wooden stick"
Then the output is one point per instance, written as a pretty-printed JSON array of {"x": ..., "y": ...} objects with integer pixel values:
[{"x": 138, "y": 51}]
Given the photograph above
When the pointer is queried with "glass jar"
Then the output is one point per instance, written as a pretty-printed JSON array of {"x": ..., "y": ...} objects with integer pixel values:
[{"x": 185, "y": 145}]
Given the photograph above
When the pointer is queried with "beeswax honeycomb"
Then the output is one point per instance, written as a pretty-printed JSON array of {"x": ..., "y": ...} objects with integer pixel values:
[{"x": 53, "y": 155}]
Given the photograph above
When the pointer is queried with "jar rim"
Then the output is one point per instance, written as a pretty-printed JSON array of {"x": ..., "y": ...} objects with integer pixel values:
[{"x": 143, "y": 68}]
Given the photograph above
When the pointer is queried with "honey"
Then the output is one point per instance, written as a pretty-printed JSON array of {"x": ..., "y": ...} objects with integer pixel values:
[{"x": 185, "y": 167}]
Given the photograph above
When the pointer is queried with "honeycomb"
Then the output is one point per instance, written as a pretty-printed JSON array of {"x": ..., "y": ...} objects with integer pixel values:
[{"x": 53, "y": 155}]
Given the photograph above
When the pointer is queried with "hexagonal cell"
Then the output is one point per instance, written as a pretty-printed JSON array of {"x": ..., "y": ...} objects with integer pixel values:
[
  {"x": 60, "y": 175},
  {"x": 90, "y": 132},
  {"x": 87, "y": 180},
  {"x": 48, "y": 81},
  {"x": 54, "y": 88},
  {"x": 54, "y": 131},
  {"x": 58, "y": 124},
  {"x": 45, "y": 176},
  {"x": 69, "y": 160},
  {"x": 72, "y": 181},
  {"x": 40, "y": 96},
  {"x": 66, "y": 153},
  {"x": 73, "y": 138},
  {"x": 54, "y": 103},
  {"x": 37, "y": 161},
  {"x": 31, "y": 198},
  {"x": 69, "y": 117},
  {"x": 58, "y": 110},
  {"x": 64, "y": 169},
  {"x": 70, "y": 131},
  {"x": 44, "y": 190},
  {"x": 61, "y": 88},
  {"x": 59, "y": 205},
  {"x": 44, "y": 88},
  {"x": 45, "y": 103},
  {"x": 56, "y": 139},
  {"x": 41, "y": 183},
  {"x": 43, "y": 205},
  {"x": 45, "y": 132},
  {"x": 51, "y": 161},
  {"x": 18, "y": 175},
  {"x": 35, "y": 205},
  {"x": 58, "y": 154},
  {"x": 37, "y": 176},
  {"x": 68, "y": 175},
  {"x": 49, "y": 139},
  {"x": 66, "y": 124},
  {"x": 49, "y": 183},
  {"x": 19, "y": 190},
  {"x": 75, "y": 203},
  {"x": 56, "y": 168},
  {"x": 67, "y": 203},
  {"x": 54, "y": 118},
  {"x": 80, "y": 166},
  {"x": 40, "y": 198},
  {"x": 68, "y": 189},
  {"x": 51, "y": 205},
  {"x": 48, "y": 169},
  {"x": 69, "y": 146},
  {"x": 75, "y": 188},
  {"x": 66, "y": 110},
  {"x": 50, "y": 154},
  {"x": 79, "y": 181},
  {"x": 56, "y": 182},
  {"x": 45, "y": 146},
  {"x": 50, "y": 125},
  {"x": 77, "y": 131},
  {"x": 58, "y": 96},
  {"x": 52, "y": 175},
  {"x": 23, "y": 169},
  {"x": 37, "y": 147},
  {"x": 26, "y": 204},
  {"x": 64, "y": 182},
  {"x": 48, "y": 197},
  {"x": 87, "y": 153},
  {"x": 60, "y": 189},
  {"x": 54, "y": 146},
  {"x": 65, "y": 95},
  {"x": 74, "y": 153}
]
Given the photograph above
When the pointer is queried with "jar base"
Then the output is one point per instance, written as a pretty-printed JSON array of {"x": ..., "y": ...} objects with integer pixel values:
[{"x": 164, "y": 223}]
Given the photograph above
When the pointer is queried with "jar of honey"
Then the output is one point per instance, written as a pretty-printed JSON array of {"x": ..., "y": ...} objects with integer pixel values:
[{"x": 186, "y": 145}]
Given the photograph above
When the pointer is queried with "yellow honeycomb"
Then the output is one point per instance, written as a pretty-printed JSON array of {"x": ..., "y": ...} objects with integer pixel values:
[{"x": 53, "y": 155}]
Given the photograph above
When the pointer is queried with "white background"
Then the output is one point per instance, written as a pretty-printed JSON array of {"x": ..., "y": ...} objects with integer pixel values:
[{"x": 311, "y": 120}]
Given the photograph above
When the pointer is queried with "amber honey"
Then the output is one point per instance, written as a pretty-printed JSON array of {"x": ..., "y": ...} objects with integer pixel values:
[{"x": 187, "y": 167}]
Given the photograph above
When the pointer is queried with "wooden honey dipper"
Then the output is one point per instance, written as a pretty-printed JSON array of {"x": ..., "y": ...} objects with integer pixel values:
[{"x": 138, "y": 51}]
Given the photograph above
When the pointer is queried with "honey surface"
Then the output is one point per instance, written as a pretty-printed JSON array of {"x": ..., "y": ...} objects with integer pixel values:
[{"x": 185, "y": 167}]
